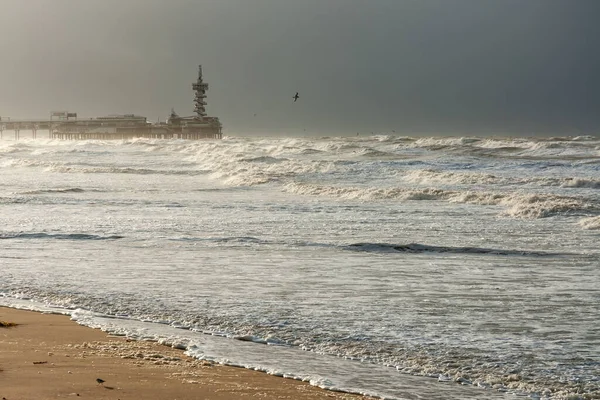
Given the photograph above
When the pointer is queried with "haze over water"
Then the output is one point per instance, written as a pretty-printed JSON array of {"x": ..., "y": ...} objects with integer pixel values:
[
  {"x": 462, "y": 267},
  {"x": 432, "y": 67}
]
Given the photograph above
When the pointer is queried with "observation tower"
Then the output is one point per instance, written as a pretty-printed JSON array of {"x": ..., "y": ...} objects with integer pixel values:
[{"x": 200, "y": 100}]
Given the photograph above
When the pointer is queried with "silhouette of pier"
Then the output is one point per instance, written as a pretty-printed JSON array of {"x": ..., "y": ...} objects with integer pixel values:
[{"x": 67, "y": 126}]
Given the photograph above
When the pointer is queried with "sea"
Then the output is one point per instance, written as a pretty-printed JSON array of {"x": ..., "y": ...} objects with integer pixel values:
[{"x": 394, "y": 266}]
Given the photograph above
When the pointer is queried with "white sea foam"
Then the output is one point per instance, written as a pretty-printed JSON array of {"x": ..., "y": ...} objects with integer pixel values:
[
  {"x": 428, "y": 176},
  {"x": 21, "y": 163},
  {"x": 590, "y": 223},
  {"x": 518, "y": 204},
  {"x": 375, "y": 258},
  {"x": 580, "y": 183}
]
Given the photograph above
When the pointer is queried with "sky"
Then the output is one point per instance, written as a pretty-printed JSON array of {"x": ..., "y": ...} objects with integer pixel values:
[{"x": 412, "y": 67}]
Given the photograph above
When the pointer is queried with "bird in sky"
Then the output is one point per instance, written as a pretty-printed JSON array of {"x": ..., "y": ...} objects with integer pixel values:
[{"x": 296, "y": 97}]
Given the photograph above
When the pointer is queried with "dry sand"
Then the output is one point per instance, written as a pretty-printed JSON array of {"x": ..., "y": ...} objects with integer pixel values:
[{"x": 49, "y": 356}]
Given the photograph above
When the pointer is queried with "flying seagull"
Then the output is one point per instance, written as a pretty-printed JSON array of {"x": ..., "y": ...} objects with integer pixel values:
[{"x": 296, "y": 97}]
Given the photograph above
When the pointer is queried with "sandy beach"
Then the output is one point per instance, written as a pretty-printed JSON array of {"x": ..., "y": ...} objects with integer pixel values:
[{"x": 47, "y": 356}]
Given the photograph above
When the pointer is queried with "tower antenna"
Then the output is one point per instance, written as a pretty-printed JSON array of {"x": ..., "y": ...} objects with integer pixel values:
[{"x": 199, "y": 100}]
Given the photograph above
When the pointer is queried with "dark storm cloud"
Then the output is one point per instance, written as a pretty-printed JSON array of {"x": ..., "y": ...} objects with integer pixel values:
[{"x": 426, "y": 66}]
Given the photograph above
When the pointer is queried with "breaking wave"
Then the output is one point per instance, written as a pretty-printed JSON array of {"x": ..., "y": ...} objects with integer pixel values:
[
  {"x": 567, "y": 148},
  {"x": 263, "y": 159},
  {"x": 121, "y": 170},
  {"x": 580, "y": 183},
  {"x": 90, "y": 169},
  {"x": 58, "y": 236},
  {"x": 422, "y": 248},
  {"x": 590, "y": 223},
  {"x": 22, "y": 163},
  {"x": 429, "y": 176},
  {"x": 517, "y": 204},
  {"x": 249, "y": 173},
  {"x": 43, "y": 191}
]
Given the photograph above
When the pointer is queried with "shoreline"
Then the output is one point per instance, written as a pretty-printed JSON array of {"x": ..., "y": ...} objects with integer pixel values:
[{"x": 49, "y": 356}]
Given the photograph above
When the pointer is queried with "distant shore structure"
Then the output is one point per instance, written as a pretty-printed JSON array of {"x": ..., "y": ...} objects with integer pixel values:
[{"x": 65, "y": 125}]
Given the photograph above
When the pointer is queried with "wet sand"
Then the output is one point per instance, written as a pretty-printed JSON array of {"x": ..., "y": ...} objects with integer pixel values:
[{"x": 48, "y": 356}]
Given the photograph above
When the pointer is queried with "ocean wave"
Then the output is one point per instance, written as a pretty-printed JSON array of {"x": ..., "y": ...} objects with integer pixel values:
[
  {"x": 422, "y": 248},
  {"x": 244, "y": 173},
  {"x": 508, "y": 374},
  {"x": 590, "y": 223},
  {"x": 242, "y": 240},
  {"x": 244, "y": 162},
  {"x": 58, "y": 236},
  {"x": 43, "y": 191},
  {"x": 503, "y": 147},
  {"x": 424, "y": 176},
  {"x": 580, "y": 183},
  {"x": 9, "y": 149},
  {"x": 309, "y": 151},
  {"x": 67, "y": 167},
  {"x": 384, "y": 138},
  {"x": 429, "y": 176},
  {"x": 69, "y": 151},
  {"x": 264, "y": 159},
  {"x": 522, "y": 205},
  {"x": 22, "y": 163},
  {"x": 373, "y": 153},
  {"x": 584, "y": 138},
  {"x": 121, "y": 170},
  {"x": 446, "y": 142}
]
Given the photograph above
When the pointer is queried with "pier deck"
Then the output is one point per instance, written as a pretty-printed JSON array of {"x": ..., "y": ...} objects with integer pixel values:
[{"x": 113, "y": 128}]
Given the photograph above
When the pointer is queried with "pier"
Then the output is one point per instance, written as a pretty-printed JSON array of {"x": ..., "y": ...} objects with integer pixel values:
[{"x": 66, "y": 125}]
